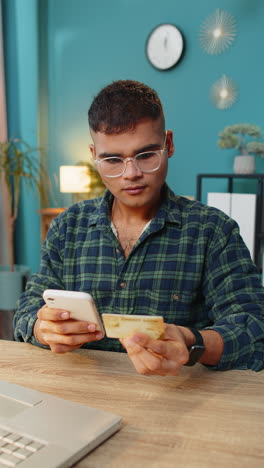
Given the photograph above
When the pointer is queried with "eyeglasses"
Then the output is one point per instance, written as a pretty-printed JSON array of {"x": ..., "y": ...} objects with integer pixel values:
[{"x": 149, "y": 161}]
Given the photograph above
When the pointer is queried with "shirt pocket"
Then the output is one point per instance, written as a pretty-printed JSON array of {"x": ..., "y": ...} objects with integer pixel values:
[{"x": 180, "y": 308}]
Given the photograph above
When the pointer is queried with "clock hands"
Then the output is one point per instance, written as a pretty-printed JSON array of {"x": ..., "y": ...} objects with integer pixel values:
[
  {"x": 165, "y": 42},
  {"x": 164, "y": 46}
]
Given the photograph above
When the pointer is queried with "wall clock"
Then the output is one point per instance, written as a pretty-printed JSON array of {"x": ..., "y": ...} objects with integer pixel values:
[{"x": 164, "y": 46}]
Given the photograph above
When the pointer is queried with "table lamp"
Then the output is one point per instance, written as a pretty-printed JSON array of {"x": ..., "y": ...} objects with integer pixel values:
[{"x": 75, "y": 180}]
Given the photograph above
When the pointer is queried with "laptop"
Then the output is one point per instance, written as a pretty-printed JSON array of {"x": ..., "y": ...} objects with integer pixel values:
[{"x": 40, "y": 430}]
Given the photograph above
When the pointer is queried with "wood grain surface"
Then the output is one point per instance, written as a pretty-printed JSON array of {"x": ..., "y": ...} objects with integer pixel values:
[{"x": 201, "y": 419}]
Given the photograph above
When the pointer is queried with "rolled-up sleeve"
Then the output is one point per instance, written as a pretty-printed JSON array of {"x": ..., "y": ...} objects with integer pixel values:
[
  {"x": 234, "y": 298},
  {"x": 48, "y": 277}
]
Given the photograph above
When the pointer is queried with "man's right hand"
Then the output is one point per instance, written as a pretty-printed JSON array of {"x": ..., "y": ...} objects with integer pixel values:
[{"x": 56, "y": 329}]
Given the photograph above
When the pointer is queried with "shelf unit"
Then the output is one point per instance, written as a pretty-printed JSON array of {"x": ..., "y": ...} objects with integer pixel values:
[{"x": 259, "y": 234}]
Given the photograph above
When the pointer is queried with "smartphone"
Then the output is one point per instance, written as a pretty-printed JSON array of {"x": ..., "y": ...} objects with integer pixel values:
[{"x": 80, "y": 304}]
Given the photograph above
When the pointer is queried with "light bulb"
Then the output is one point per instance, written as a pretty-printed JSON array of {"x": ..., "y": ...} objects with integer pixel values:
[
  {"x": 223, "y": 93},
  {"x": 217, "y": 33}
]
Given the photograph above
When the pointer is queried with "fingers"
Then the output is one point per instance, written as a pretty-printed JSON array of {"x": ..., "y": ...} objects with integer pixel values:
[
  {"x": 74, "y": 340},
  {"x": 147, "y": 363},
  {"x": 156, "y": 357},
  {"x": 171, "y": 350},
  {"x": 144, "y": 361},
  {"x": 63, "y": 343},
  {"x": 55, "y": 329},
  {"x": 58, "y": 321},
  {"x": 67, "y": 327},
  {"x": 60, "y": 349},
  {"x": 53, "y": 314},
  {"x": 173, "y": 332}
]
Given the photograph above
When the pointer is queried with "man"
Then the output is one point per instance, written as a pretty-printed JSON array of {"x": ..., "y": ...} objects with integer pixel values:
[{"x": 141, "y": 249}]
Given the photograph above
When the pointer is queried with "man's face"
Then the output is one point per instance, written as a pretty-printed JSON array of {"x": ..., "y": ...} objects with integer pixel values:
[{"x": 135, "y": 189}]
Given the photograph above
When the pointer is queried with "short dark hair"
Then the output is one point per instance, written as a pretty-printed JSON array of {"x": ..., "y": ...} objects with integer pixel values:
[{"x": 120, "y": 106}]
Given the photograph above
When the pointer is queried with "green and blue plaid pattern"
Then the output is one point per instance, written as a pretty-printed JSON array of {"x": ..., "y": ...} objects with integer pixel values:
[{"x": 190, "y": 265}]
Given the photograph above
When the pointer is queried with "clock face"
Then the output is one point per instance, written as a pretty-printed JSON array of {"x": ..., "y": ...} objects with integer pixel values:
[{"x": 164, "y": 46}]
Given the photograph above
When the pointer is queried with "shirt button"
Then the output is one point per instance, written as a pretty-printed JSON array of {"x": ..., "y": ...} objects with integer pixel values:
[
  {"x": 117, "y": 251},
  {"x": 123, "y": 284},
  {"x": 176, "y": 297}
]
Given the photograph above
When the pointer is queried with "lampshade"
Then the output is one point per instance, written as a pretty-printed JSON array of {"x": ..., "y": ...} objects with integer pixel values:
[{"x": 74, "y": 179}]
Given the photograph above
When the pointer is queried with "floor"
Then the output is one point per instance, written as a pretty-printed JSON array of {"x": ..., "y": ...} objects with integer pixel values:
[{"x": 6, "y": 324}]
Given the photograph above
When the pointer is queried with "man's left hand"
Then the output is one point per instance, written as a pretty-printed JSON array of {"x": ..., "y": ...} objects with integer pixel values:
[{"x": 158, "y": 357}]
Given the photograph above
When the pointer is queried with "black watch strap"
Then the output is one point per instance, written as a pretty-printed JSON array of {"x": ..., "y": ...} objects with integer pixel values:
[{"x": 197, "y": 349}]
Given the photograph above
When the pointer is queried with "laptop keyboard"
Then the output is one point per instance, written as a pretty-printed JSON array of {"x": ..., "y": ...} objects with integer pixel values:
[{"x": 15, "y": 448}]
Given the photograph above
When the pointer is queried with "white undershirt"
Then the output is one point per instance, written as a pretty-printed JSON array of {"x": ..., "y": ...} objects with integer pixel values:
[{"x": 116, "y": 234}]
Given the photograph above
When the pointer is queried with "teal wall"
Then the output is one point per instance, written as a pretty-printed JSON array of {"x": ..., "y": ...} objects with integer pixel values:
[
  {"x": 21, "y": 66},
  {"x": 86, "y": 44}
]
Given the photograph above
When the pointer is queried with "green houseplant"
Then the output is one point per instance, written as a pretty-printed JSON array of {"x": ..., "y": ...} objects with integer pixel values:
[
  {"x": 236, "y": 136},
  {"x": 19, "y": 163},
  {"x": 95, "y": 187}
]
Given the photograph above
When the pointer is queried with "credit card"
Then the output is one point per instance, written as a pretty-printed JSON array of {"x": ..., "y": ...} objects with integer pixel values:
[{"x": 122, "y": 325}]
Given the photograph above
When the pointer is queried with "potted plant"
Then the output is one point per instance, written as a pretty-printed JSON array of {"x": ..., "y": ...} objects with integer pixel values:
[
  {"x": 19, "y": 163},
  {"x": 96, "y": 187},
  {"x": 235, "y": 136},
  {"x": 256, "y": 147}
]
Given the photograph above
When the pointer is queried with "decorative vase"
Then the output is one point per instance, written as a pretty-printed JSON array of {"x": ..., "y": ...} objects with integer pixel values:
[{"x": 244, "y": 164}]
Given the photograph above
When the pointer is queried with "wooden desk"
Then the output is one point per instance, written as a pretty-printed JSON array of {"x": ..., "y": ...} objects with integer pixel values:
[{"x": 202, "y": 419}]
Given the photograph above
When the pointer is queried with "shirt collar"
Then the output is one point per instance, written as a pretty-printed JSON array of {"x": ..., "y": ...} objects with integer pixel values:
[
  {"x": 168, "y": 211},
  {"x": 101, "y": 214},
  {"x": 169, "y": 208}
]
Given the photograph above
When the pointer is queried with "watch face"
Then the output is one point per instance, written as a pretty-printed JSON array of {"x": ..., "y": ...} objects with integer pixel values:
[
  {"x": 194, "y": 354},
  {"x": 164, "y": 46}
]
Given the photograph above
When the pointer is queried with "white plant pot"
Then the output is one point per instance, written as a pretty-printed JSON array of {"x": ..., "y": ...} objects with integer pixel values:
[{"x": 244, "y": 164}]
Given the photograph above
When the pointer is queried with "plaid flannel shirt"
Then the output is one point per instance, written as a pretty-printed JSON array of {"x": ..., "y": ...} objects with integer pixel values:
[{"x": 190, "y": 265}]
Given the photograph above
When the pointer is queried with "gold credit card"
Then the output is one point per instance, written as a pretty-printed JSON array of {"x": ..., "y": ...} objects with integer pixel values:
[{"x": 121, "y": 325}]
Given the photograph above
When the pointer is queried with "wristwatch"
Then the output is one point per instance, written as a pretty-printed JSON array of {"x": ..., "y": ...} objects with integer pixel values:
[{"x": 197, "y": 349}]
